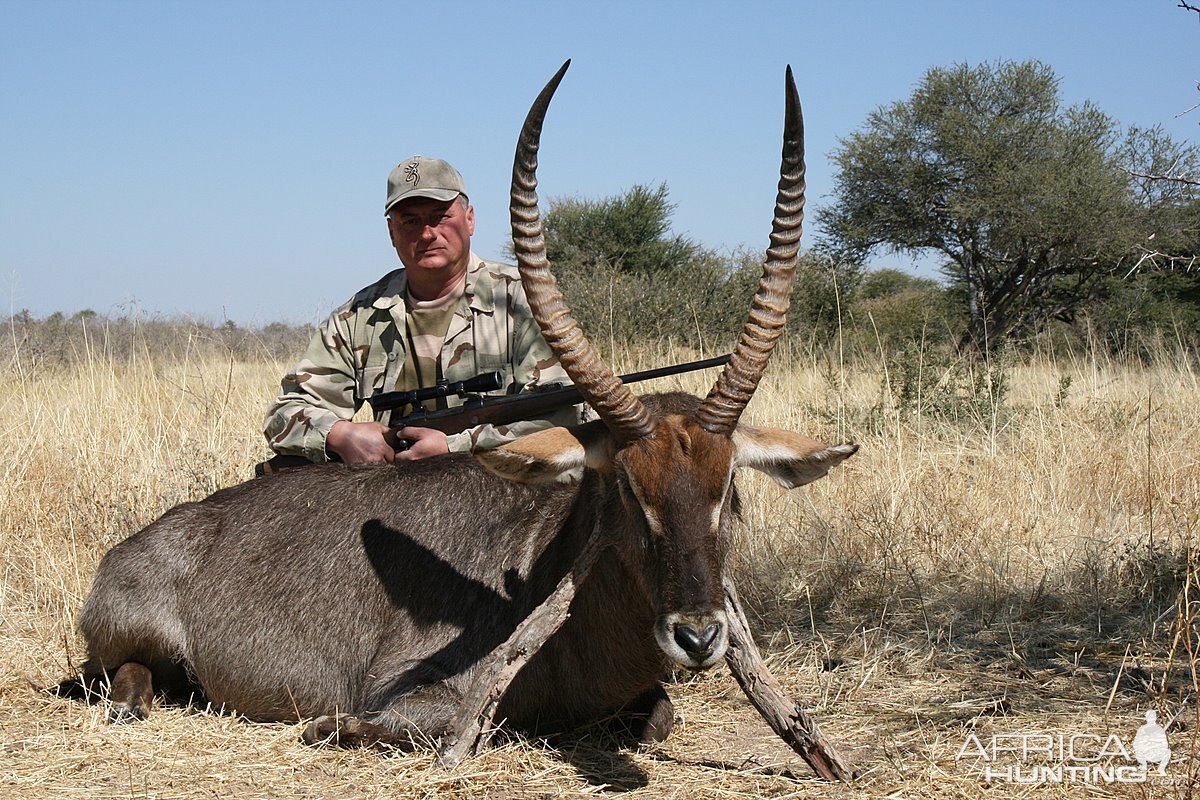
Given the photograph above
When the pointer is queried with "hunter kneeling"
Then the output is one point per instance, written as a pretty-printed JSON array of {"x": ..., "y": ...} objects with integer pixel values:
[{"x": 446, "y": 317}]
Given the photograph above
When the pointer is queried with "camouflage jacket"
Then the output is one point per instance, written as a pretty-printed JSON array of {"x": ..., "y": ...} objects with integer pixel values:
[{"x": 359, "y": 351}]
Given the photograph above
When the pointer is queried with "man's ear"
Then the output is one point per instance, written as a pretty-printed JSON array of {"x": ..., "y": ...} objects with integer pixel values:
[
  {"x": 790, "y": 459},
  {"x": 555, "y": 454}
]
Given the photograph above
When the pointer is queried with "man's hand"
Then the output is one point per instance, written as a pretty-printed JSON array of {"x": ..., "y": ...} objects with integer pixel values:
[
  {"x": 367, "y": 443},
  {"x": 423, "y": 443},
  {"x": 360, "y": 442}
]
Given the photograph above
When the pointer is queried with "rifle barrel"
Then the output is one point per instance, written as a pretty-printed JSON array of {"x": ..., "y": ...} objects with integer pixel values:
[{"x": 674, "y": 369}]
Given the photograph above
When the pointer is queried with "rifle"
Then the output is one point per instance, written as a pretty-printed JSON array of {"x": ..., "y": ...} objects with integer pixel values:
[{"x": 479, "y": 410}]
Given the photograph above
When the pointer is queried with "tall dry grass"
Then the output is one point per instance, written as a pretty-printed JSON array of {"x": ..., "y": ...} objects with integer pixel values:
[{"x": 1012, "y": 556}]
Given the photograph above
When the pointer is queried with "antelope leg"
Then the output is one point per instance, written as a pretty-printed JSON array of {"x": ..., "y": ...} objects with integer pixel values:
[{"x": 782, "y": 713}]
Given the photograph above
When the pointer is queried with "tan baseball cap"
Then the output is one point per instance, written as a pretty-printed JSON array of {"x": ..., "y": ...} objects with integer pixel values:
[{"x": 422, "y": 176}]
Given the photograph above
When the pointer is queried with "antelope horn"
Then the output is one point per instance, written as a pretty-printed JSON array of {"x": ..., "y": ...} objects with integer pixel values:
[
  {"x": 768, "y": 313},
  {"x": 620, "y": 409}
]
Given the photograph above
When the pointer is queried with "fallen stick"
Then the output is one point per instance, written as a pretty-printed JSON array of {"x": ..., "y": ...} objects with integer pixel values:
[
  {"x": 782, "y": 713},
  {"x": 472, "y": 727}
]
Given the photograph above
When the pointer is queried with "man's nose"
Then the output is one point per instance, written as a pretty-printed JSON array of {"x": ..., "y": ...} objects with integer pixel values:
[{"x": 428, "y": 231}]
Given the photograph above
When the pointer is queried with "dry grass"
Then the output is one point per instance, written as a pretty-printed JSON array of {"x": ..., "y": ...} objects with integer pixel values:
[{"x": 1027, "y": 567}]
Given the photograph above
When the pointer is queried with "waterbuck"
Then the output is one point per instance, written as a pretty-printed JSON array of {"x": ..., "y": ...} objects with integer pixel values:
[{"x": 369, "y": 597}]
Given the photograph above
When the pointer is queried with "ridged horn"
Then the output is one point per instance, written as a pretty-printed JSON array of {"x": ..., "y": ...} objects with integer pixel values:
[
  {"x": 620, "y": 409},
  {"x": 736, "y": 384}
]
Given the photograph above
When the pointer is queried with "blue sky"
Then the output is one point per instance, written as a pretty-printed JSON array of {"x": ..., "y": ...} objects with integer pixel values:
[{"x": 227, "y": 160}]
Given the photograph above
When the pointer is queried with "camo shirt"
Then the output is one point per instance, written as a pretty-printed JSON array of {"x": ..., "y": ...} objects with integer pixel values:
[{"x": 360, "y": 349}]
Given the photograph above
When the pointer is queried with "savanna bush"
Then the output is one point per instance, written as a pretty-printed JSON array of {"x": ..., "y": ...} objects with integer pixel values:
[{"x": 58, "y": 341}]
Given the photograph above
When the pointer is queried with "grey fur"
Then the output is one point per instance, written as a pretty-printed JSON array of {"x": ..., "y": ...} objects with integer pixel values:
[{"x": 376, "y": 591}]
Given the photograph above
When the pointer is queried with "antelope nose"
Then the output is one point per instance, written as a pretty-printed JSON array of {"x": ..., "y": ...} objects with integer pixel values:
[{"x": 696, "y": 643}]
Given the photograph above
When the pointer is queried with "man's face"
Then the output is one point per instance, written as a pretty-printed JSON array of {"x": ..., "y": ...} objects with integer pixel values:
[{"x": 432, "y": 234}]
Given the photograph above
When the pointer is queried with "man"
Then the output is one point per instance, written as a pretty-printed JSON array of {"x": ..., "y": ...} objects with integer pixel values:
[{"x": 446, "y": 315}]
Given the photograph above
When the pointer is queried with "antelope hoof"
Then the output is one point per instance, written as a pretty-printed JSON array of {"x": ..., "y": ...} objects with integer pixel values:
[
  {"x": 327, "y": 729},
  {"x": 130, "y": 711}
]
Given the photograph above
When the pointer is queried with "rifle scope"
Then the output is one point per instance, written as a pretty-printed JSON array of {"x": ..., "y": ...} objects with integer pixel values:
[{"x": 388, "y": 401}]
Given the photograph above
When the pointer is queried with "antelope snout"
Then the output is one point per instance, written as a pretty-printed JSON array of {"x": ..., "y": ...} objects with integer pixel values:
[{"x": 694, "y": 641}]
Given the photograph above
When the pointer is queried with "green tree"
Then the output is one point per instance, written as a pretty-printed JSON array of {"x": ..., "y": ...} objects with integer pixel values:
[
  {"x": 630, "y": 233},
  {"x": 628, "y": 277},
  {"x": 1024, "y": 200},
  {"x": 898, "y": 308}
]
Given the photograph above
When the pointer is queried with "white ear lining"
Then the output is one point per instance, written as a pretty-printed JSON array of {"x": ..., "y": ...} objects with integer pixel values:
[{"x": 790, "y": 459}]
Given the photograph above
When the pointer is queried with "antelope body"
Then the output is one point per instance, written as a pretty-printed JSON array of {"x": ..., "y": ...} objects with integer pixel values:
[{"x": 376, "y": 593}]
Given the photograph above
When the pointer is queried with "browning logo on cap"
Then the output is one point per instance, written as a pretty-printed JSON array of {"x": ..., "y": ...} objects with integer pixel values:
[{"x": 422, "y": 176}]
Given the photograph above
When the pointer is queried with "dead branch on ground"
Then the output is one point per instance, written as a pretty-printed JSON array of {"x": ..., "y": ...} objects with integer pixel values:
[{"x": 782, "y": 713}]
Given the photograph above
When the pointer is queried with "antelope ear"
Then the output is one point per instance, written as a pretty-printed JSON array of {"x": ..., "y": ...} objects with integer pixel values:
[
  {"x": 790, "y": 459},
  {"x": 555, "y": 454}
]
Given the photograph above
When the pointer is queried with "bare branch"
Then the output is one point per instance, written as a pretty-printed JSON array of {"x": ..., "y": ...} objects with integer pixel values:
[
  {"x": 1188, "y": 7},
  {"x": 782, "y": 713},
  {"x": 1163, "y": 261},
  {"x": 472, "y": 727},
  {"x": 1171, "y": 178},
  {"x": 1190, "y": 110}
]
